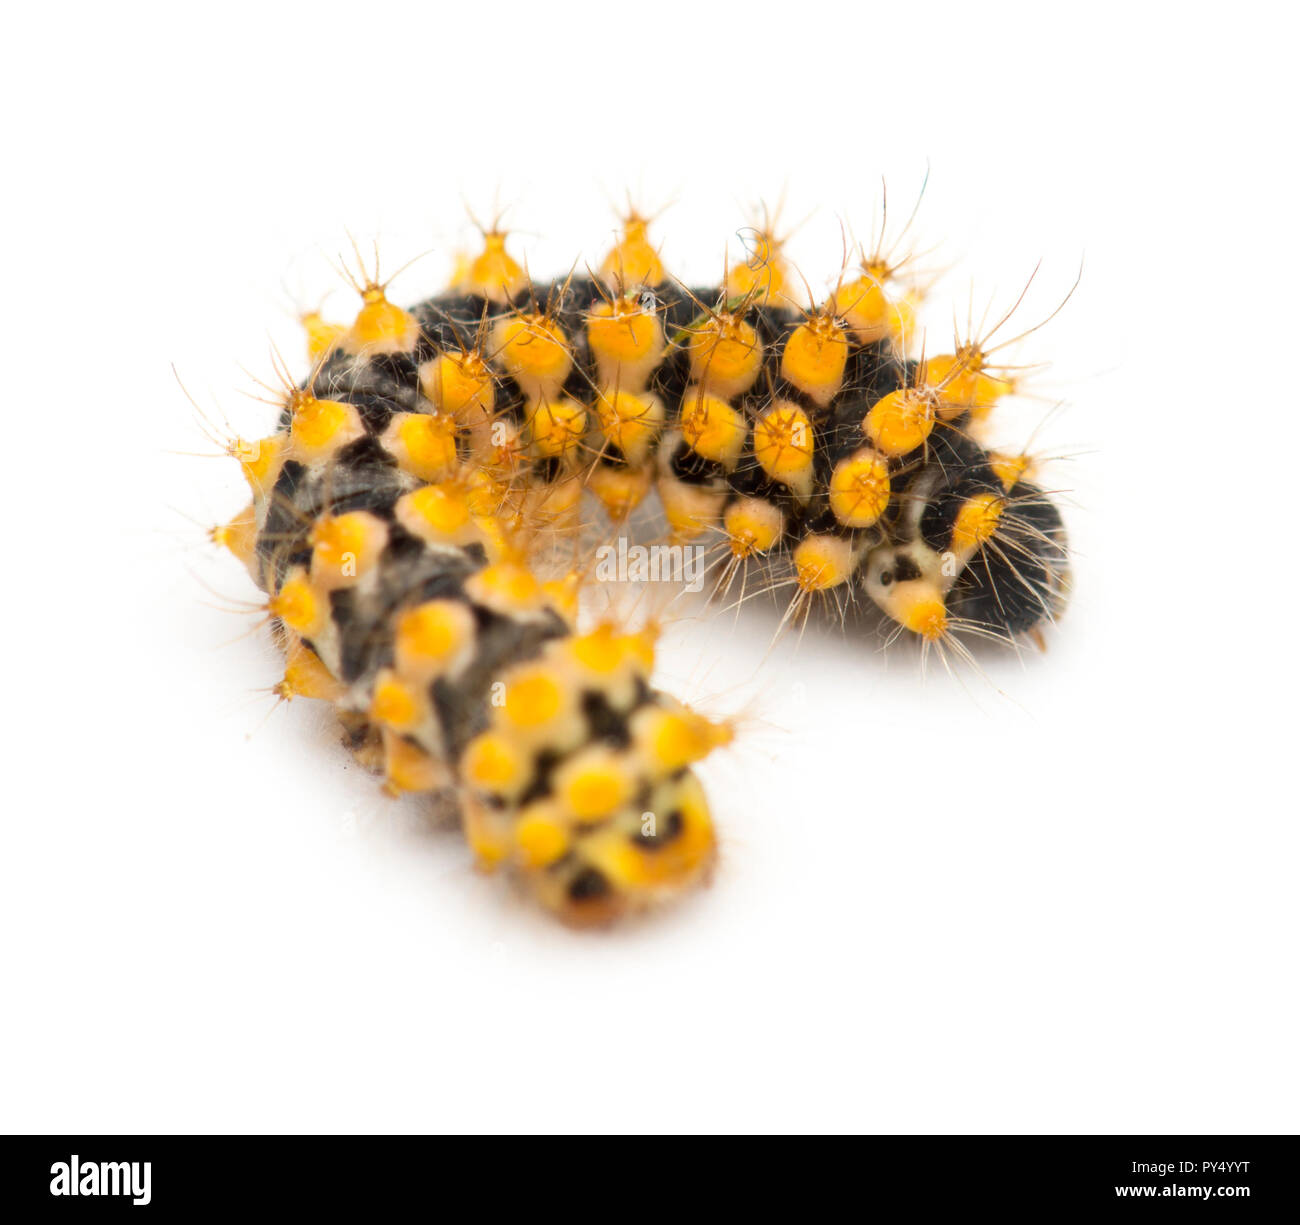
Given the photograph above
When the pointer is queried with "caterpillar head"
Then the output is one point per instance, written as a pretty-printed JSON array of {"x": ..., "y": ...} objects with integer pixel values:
[{"x": 907, "y": 583}]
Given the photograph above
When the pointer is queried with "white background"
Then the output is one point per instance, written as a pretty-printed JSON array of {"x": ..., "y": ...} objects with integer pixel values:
[{"x": 1060, "y": 896}]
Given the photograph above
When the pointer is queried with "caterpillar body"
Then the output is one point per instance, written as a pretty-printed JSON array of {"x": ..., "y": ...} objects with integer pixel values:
[{"x": 434, "y": 456}]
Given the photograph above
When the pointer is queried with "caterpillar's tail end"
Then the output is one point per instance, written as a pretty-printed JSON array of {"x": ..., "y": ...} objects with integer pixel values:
[
  {"x": 591, "y": 874},
  {"x": 582, "y": 786},
  {"x": 640, "y": 862}
]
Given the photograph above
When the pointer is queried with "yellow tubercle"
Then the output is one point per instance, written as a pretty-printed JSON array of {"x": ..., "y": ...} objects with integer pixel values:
[
  {"x": 408, "y": 768},
  {"x": 534, "y": 696},
  {"x": 626, "y": 341},
  {"x": 822, "y": 562},
  {"x": 554, "y": 428},
  {"x": 725, "y": 354},
  {"x": 619, "y": 490},
  {"x": 764, "y": 276},
  {"x": 320, "y": 427},
  {"x": 608, "y": 656},
  {"x": 305, "y": 676},
  {"x": 432, "y": 638},
  {"x": 397, "y": 704},
  {"x": 1009, "y": 469},
  {"x": 712, "y": 427},
  {"x": 814, "y": 358},
  {"x": 424, "y": 444},
  {"x": 900, "y": 421},
  {"x": 962, "y": 383},
  {"x": 753, "y": 525},
  {"x": 601, "y": 651},
  {"x": 299, "y": 605},
  {"x": 322, "y": 336},
  {"x": 380, "y": 326},
  {"x": 260, "y": 461},
  {"x": 506, "y": 587},
  {"x": 492, "y": 274},
  {"x": 593, "y": 784},
  {"x": 630, "y": 421},
  {"x": 926, "y": 617},
  {"x": 859, "y": 488},
  {"x": 670, "y": 739},
  {"x": 633, "y": 260},
  {"x": 239, "y": 535},
  {"x": 460, "y": 385},
  {"x": 345, "y": 548},
  {"x": 689, "y": 509},
  {"x": 783, "y": 445},
  {"x": 439, "y": 514},
  {"x": 535, "y": 352},
  {"x": 488, "y": 832},
  {"x": 864, "y": 307},
  {"x": 491, "y": 763},
  {"x": 977, "y": 521},
  {"x": 541, "y": 836}
]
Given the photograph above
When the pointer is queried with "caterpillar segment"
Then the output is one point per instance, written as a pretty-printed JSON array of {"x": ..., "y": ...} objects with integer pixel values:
[
  {"x": 803, "y": 437},
  {"x": 403, "y": 596},
  {"x": 971, "y": 543}
]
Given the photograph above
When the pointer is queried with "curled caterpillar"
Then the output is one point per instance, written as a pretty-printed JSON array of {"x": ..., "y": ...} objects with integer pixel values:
[{"x": 434, "y": 456}]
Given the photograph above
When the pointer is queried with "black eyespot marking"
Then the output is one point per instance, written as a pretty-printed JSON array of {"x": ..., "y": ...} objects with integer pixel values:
[
  {"x": 906, "y": 570},
  {"x": 669, "y": 828},
  {"x": 606, "y": 723},
  {"x": 588, "y": 885}
]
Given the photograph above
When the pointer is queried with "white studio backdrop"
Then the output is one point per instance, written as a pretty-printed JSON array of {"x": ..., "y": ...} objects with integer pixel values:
[{"x": 1057, "y": 895}]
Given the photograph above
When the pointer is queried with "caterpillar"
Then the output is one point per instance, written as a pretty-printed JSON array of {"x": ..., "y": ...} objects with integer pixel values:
[{"x": 406, "y": 511}]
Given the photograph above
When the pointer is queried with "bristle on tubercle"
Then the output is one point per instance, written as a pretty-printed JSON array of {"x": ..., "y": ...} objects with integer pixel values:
[{"x": 418, "y": 521}]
